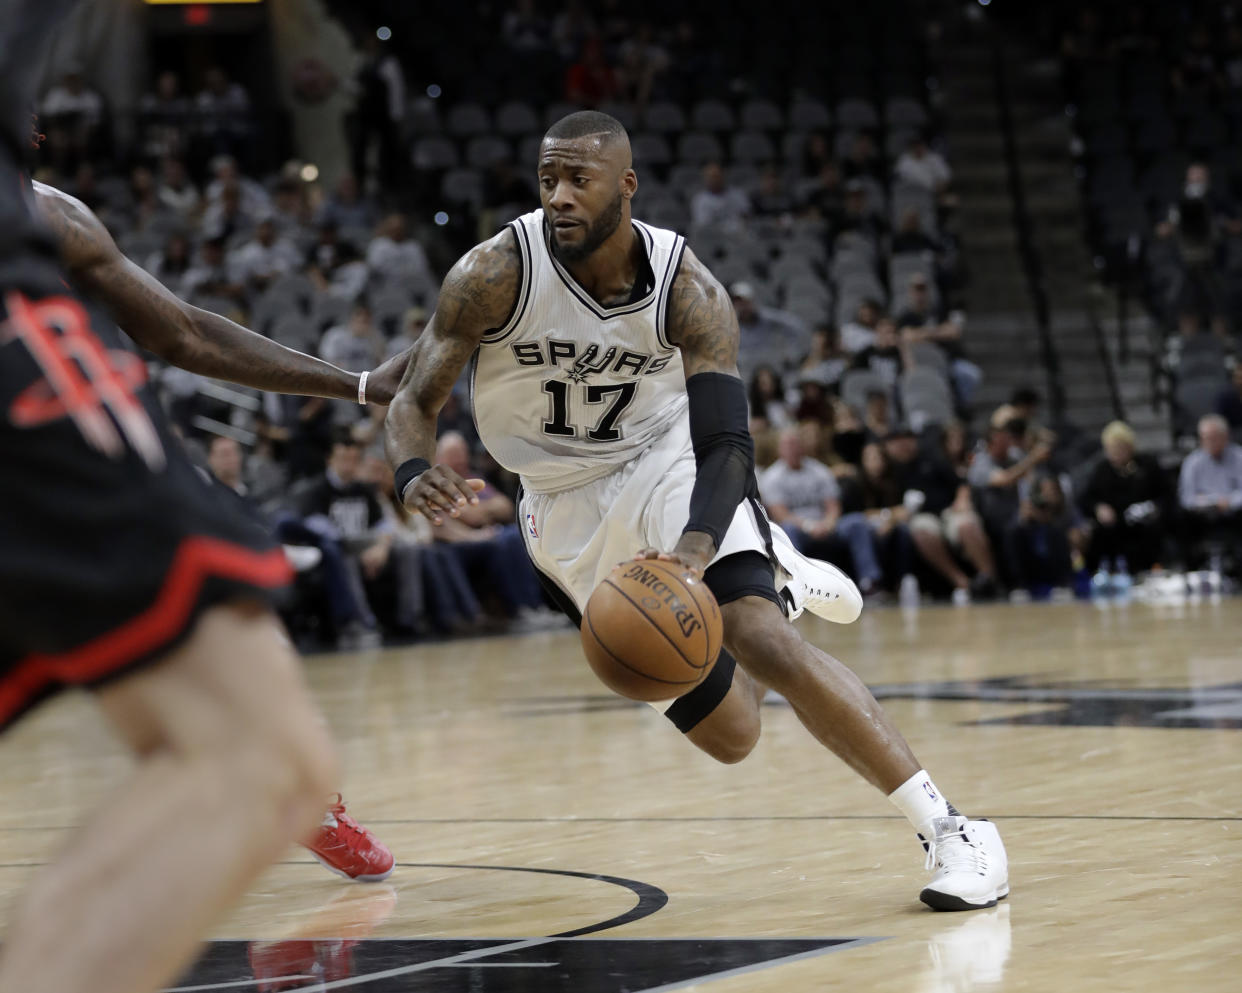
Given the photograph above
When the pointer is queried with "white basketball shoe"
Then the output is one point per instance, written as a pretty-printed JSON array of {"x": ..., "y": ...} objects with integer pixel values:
[
  {"x": 971, "y": 868},
  {"x": 814, "y": 585}
]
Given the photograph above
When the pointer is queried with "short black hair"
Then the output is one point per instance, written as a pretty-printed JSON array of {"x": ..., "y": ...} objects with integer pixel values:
[
  {"x": 1025, "y": 396},
  {"x": 582, "y": 123}
]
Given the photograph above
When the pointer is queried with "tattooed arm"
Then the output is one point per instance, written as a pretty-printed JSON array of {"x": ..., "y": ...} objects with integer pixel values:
[
  {"x": 701, "y": 322},
  {"x": 186, "y": 336},
  {"x": 478, "y": 295}
]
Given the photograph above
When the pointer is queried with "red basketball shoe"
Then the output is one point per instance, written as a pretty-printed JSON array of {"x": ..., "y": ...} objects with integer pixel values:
[{"x": 348, "y": 849}]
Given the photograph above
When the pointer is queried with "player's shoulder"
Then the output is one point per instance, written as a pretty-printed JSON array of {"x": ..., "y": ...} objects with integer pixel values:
[
  {"x": 696, "y": 297},
  {"x": 483, "y": 284}
]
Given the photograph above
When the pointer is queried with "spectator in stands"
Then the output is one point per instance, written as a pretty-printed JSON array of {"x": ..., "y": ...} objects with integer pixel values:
[
  {"x": 348, "y": 207},
  {"x": 1209, "y": 489},
  {"x": 226, "y": 461},
  {"x": 334, "y": 265},
  {"x": 643, "y": 61},
  {"x": 226, "y": 177},
  {"x": 1196, "y": 66},
  {"x": 524, "y": 30},
  {"x": 397, "y": 259},
  {"x": 955, "y": 447},
  {"x": 210, "y": 276},
  {"x": 171, "y": 264},
  {"x": 816, "y": 154},
  {"x": 1125, "y": 499},
  {"x": 880, "y": 500},
  {"x": 878, "y": 416},
  {"x": 1229, "y": 402},
  {"x": 259, "y": 261},
  {"x": 356, "y": 345},
  {"x": 413, "y": 323},
  {"x": 291, "y": 208},
  {"x": 378, "y": 117},
  {"x": 591, "y": 80},
  {"x": 943, "y": 518},
  {"x": 717, "y": 204},
  {"x": 177, "y": 191},
  {"x": 145, "y": 211},
  {"x": 771, "y": 199},
  {"x": 824, "y": 195},
  {"x": 859, "y": 217},
  {"x": 826, "y": 361},
  {"x": 454, "y": 606},
  {"x": 803, "y": 497},
  {"x": 571, "y": 28},
  {"x": 920, "y": 166},
  {"x": 1040, "y": 540},
  {"x": 488, "y": 543},
  {"x": 910, "y": 236},
  {"x": 225, "y": 217},
  {"x": 849, "y": 436},
  {"x": 860, "y": 332},
  {"x": 1000, "y": 475},
  {"x": 920, "y": 321},
  {"x": 223, "y": 111},
  {"x": 767, "y": 335},
  {"x": 887, "y": 356},
  {"x": 768, "y": 409},
  {"x": 71, "y": 114},
  {"x": 863, "y": 158},
  {"x": 505, "y": 187},
  {"x": 1198, "y": 222},
  {"x": 165, "y": 115}
]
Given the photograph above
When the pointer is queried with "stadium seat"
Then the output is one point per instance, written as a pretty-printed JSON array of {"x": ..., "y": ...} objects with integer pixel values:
[
  {"x": 856, "y": 384},
  {"x": 467, "y": 119},
  {"x": 699, "y": 148},
  {"x": 486, "y": 150},
  {"x": 761, "y": 115},
  {"x": 664, "y": 118},
  {"x": 809, "y": 115},
  {"x": 752, "y": 146},
  {"x": 434, "y": 153},
  {"x": 926, "y": 398},
  {"x": 651, "y": 150},
  {"x": 712, "y": 115},
  {"x": 516, "y": 118}
]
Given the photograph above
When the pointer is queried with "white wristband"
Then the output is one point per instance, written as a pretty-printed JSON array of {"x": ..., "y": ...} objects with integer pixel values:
[{"x": 362, "y": 388}]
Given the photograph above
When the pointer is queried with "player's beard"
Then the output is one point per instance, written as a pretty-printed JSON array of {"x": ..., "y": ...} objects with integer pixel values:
[{"x": 598, "y": 232}]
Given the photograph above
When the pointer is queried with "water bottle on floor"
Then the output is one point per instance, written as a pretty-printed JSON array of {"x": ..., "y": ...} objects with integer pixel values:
[
  {"x": 1102, "y": 582},
  {"x": 1122, "y": 580}
]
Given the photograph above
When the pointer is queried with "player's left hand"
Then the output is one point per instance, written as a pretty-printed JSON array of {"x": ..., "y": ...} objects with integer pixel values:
[{"x": 691, "y": 562}]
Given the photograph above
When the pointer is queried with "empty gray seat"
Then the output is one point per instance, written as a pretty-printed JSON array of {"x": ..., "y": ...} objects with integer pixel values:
[
  {"x": 856, "y": 384},
  {"x": 462, "y": 186},
  {"x": 486, "y": 150},
  {"x": 623, "y": 112},
  {"x": 651, "y": 149},
  {"x": 434, "y": 153},
  {"x": 555, "y": 111},
  {"x": 665, "y": 118},
  {"x": 857, "y": 114},
  {"x": 515, "y": 118},
  {"x": 712, "y": 115},
  {"x": 466, "y": 119},
  {"x": 926, "y": 398},
  {"x": 903, "y": 112},
  {"x": 699, "y": 147},
  {"x": 762, "y": 115},
  {"x": 929, "y": 355},
  {"x": 752, "y": 146},
  {"x": 809, "y": 115}
]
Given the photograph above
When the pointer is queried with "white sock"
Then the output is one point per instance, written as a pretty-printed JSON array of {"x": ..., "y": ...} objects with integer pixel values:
[{"x": 920, "y": 801}]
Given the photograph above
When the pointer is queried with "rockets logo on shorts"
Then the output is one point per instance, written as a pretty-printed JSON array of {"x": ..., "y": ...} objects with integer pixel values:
[{"x": 83, "y": 380}]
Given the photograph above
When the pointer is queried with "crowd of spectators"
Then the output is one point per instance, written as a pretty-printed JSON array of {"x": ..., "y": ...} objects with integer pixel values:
[{"x": 831, "y": 228}]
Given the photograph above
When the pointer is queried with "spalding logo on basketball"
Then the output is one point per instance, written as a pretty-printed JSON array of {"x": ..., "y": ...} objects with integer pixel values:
[{"x": 652, "y": 630}]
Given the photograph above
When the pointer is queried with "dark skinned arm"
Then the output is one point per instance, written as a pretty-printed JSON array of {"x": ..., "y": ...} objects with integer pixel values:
[
  {"x": 702, "y": 324},
  {"x": 187, "y": 336},
  {"x": 478, "y": 295}
]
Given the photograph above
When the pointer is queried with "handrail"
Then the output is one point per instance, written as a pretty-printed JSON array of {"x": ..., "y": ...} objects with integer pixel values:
[
  {"x": 1106, "y": 360},
  {"x": 1026, "y": 242}
]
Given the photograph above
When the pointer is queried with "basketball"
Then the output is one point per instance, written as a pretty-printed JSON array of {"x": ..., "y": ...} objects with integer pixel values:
[{"x": 652, "y": 630}]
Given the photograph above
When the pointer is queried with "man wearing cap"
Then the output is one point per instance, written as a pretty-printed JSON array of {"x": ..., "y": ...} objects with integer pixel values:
[
  {"x": 921, "y": 321},
  {"x": 768, "y": 336}
]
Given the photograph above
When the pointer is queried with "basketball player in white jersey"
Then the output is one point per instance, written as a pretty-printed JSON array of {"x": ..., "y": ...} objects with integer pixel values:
[{"x": 605, "y": 374}]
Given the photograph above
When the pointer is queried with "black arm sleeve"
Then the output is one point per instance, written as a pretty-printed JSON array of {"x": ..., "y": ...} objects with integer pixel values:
[{"x": 723, "y": 451}]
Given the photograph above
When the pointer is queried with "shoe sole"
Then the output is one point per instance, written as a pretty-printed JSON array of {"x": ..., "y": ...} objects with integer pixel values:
[
  {"x": 948, "y": 902},
  {"x": 372, "y": 878}
]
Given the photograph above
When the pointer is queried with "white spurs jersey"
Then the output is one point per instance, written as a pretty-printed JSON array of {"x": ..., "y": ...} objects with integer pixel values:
[{"x": 568, "y": 390}]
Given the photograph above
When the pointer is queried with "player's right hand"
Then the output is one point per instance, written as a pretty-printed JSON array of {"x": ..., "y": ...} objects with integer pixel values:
[{"x": 440, "y": 491}]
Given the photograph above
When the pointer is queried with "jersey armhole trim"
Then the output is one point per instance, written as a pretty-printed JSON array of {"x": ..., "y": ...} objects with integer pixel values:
[
  {"x": 666, "y": 294},
  {"x": 522, "y": 299}
]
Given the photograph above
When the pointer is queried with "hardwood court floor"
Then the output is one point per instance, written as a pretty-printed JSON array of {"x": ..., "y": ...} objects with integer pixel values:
[{"x": 1107, "y": 744}]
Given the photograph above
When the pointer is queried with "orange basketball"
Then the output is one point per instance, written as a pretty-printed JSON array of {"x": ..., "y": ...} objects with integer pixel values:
[{"x": 652, "y": 630}]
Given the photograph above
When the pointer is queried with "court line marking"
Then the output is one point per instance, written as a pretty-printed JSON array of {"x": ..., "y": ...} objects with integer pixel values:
[
  {"x": 467, "y": 960},
  {"x": 233, "y": 984},
  {"x": 758, "y": 966}
]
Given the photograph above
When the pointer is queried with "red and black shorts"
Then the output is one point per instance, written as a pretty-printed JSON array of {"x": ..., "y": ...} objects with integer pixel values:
[{"x": 111, "y": 543}]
